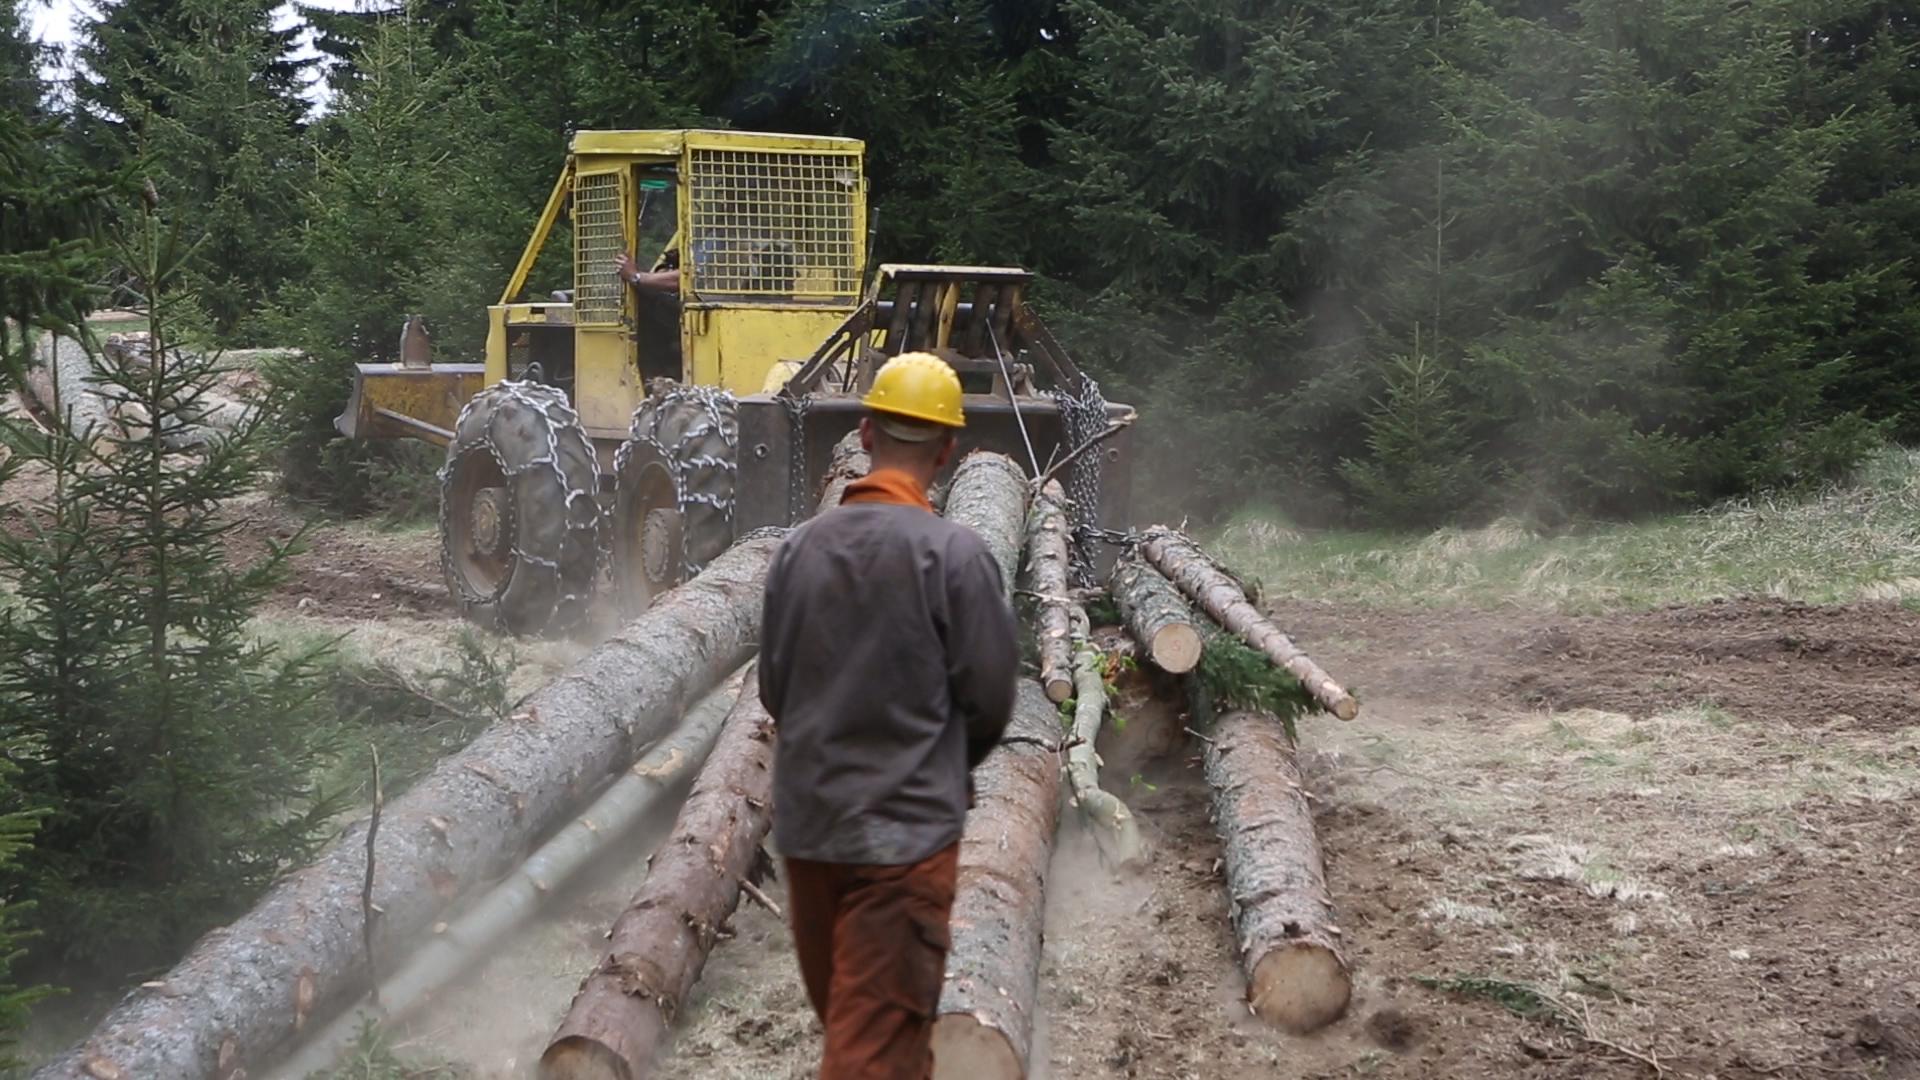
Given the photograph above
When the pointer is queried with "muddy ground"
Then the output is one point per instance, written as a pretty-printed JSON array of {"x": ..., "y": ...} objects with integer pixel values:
[{"x": 1694, "y": 828}]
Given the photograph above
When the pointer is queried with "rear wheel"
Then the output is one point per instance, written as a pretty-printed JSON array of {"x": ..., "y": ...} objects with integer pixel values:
[
  {"x": 519, "y": 524},
  {"x": 673, "y": 504}
]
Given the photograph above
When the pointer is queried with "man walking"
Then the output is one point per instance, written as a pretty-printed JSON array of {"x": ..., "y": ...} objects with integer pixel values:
[{"x": 888, "y": 659}]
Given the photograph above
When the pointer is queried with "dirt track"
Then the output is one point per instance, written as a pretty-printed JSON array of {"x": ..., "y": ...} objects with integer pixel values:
[{"x": 1695, "y": 827}]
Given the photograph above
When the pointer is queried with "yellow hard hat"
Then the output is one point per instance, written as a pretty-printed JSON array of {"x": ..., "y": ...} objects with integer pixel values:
[{"x": 917, "y": 386}]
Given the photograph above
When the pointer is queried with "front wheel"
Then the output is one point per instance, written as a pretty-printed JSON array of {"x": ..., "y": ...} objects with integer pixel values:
[{"x": 519, "y": 524}]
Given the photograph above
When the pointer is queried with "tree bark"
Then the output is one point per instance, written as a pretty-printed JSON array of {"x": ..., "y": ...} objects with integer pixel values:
[
  {"x": 1187, "y": 566},
  {"x": 458, "y": 945},
  {"x": 1276, "y": 879},
  {"x": 1114, "y": 828},
  {"x": 659, "y": 945},
  {"x": 1047, "y": 574},
  {"x": 985, "y": 1029},
  {"x": 245, "y": 989},
  {"x": 850, "y": 462},
  {"x": 1157, "y": 615},
  {"x": 989, "y": 495},
  {"x": 70, "y": 392}
]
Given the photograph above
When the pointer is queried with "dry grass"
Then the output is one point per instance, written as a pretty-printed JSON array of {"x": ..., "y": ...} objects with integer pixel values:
[{"x": 1855, "y": 541}]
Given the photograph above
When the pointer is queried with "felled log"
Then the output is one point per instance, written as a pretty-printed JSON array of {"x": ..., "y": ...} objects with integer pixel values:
[
  {"x": 1188, "y": 567},
  {"x": 985, "y": 1029},
  {"x": 658, "y": 946},
  {"x": 70, "y": 392},
  {"x": 1157, "y": 615},
  {"x": 460, "y": 944},
  {"x": 850, "y": 462},
  {"x": 1047, "y": 574},
  {"x": 244, "y": 990},
  {"x": 1113, "y": 825},
  {"x": 989, "y": 495},
  {"x": 1282, "y": 910}
]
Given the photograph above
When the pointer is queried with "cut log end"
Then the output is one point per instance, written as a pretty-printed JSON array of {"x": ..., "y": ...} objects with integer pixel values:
[
  {"x": 1059, "y": 689},
  {"x": 1301, "y": 987},
  {"x": 964, "y": 1048},
  {"x": 579, "y": 1058},
  {"x": 1176, "y": 648},
  {"x": 1346, "y": 708}
]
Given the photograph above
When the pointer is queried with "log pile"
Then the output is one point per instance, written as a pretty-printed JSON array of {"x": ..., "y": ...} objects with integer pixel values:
[
  {"x": 299, "y": 956},
  {"x": 65, "y": 380}
]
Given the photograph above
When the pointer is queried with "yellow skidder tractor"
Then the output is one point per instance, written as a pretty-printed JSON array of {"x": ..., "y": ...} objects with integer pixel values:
[{"x": 641, "y": 421}]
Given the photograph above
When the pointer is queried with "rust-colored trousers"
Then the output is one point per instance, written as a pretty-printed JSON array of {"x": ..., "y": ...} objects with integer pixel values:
[{"x": 873, "y": 950}]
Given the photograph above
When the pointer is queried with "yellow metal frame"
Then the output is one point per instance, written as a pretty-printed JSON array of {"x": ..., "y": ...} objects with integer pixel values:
[{"x": 735, "y": 339}]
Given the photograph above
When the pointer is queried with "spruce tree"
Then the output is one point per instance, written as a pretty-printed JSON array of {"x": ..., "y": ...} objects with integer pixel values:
[
  {"x": 22, "y": 90},
  {"x": 180, "y": 752},
  {"x": 386, "y": 236},
  {"x": 205, "y": 96},
  {"x": 49, "y": 216}
]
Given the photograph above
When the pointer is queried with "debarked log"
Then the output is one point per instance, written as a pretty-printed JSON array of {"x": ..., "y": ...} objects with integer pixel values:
[
  {"x": 1289, "y": 943},
  {"x": 1113, "y": 825},
  {"x": 658, "y": 946},
  {"x": 1047, "y": 576},
  {"x": 246, "y": 989},
  {"x": 985, "y": 1029}
]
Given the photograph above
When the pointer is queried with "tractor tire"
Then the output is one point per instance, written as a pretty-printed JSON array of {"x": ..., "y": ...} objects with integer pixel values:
[
  {"x": 674, "y": 491},
  {"x": 519, "y": 516}
]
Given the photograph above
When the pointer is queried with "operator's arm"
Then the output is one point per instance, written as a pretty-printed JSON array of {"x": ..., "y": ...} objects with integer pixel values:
[
  {"x": 983, "y": 651},
  {"x": 656, "y": 280}
]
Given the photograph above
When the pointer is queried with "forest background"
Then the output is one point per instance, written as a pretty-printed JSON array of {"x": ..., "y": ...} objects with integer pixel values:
[{"x": 1404, "y": 264}]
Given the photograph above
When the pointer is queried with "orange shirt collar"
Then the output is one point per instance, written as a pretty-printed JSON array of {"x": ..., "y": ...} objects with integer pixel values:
[{"x": 887, "y": 486}]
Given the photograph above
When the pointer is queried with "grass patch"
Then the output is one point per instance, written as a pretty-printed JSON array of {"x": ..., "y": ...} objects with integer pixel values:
[
  {"x": 1856, "y": 541},
  {"x": 1523, "y": 1000}
]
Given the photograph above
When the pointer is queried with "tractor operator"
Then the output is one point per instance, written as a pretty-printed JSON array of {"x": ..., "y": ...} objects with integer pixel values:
[{"x": 888, "y": 661}]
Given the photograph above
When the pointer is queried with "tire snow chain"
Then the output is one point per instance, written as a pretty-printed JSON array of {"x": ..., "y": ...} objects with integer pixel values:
[
  {"x": 796, "y": 407},
  {"x": 552, "y": 406},
  {"x": 1084, "y": 417},
  {"x": 645, "y": 428}
]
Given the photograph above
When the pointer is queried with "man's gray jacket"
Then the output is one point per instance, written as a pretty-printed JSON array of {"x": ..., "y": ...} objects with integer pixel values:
[{"x": 888, "y": 659}]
